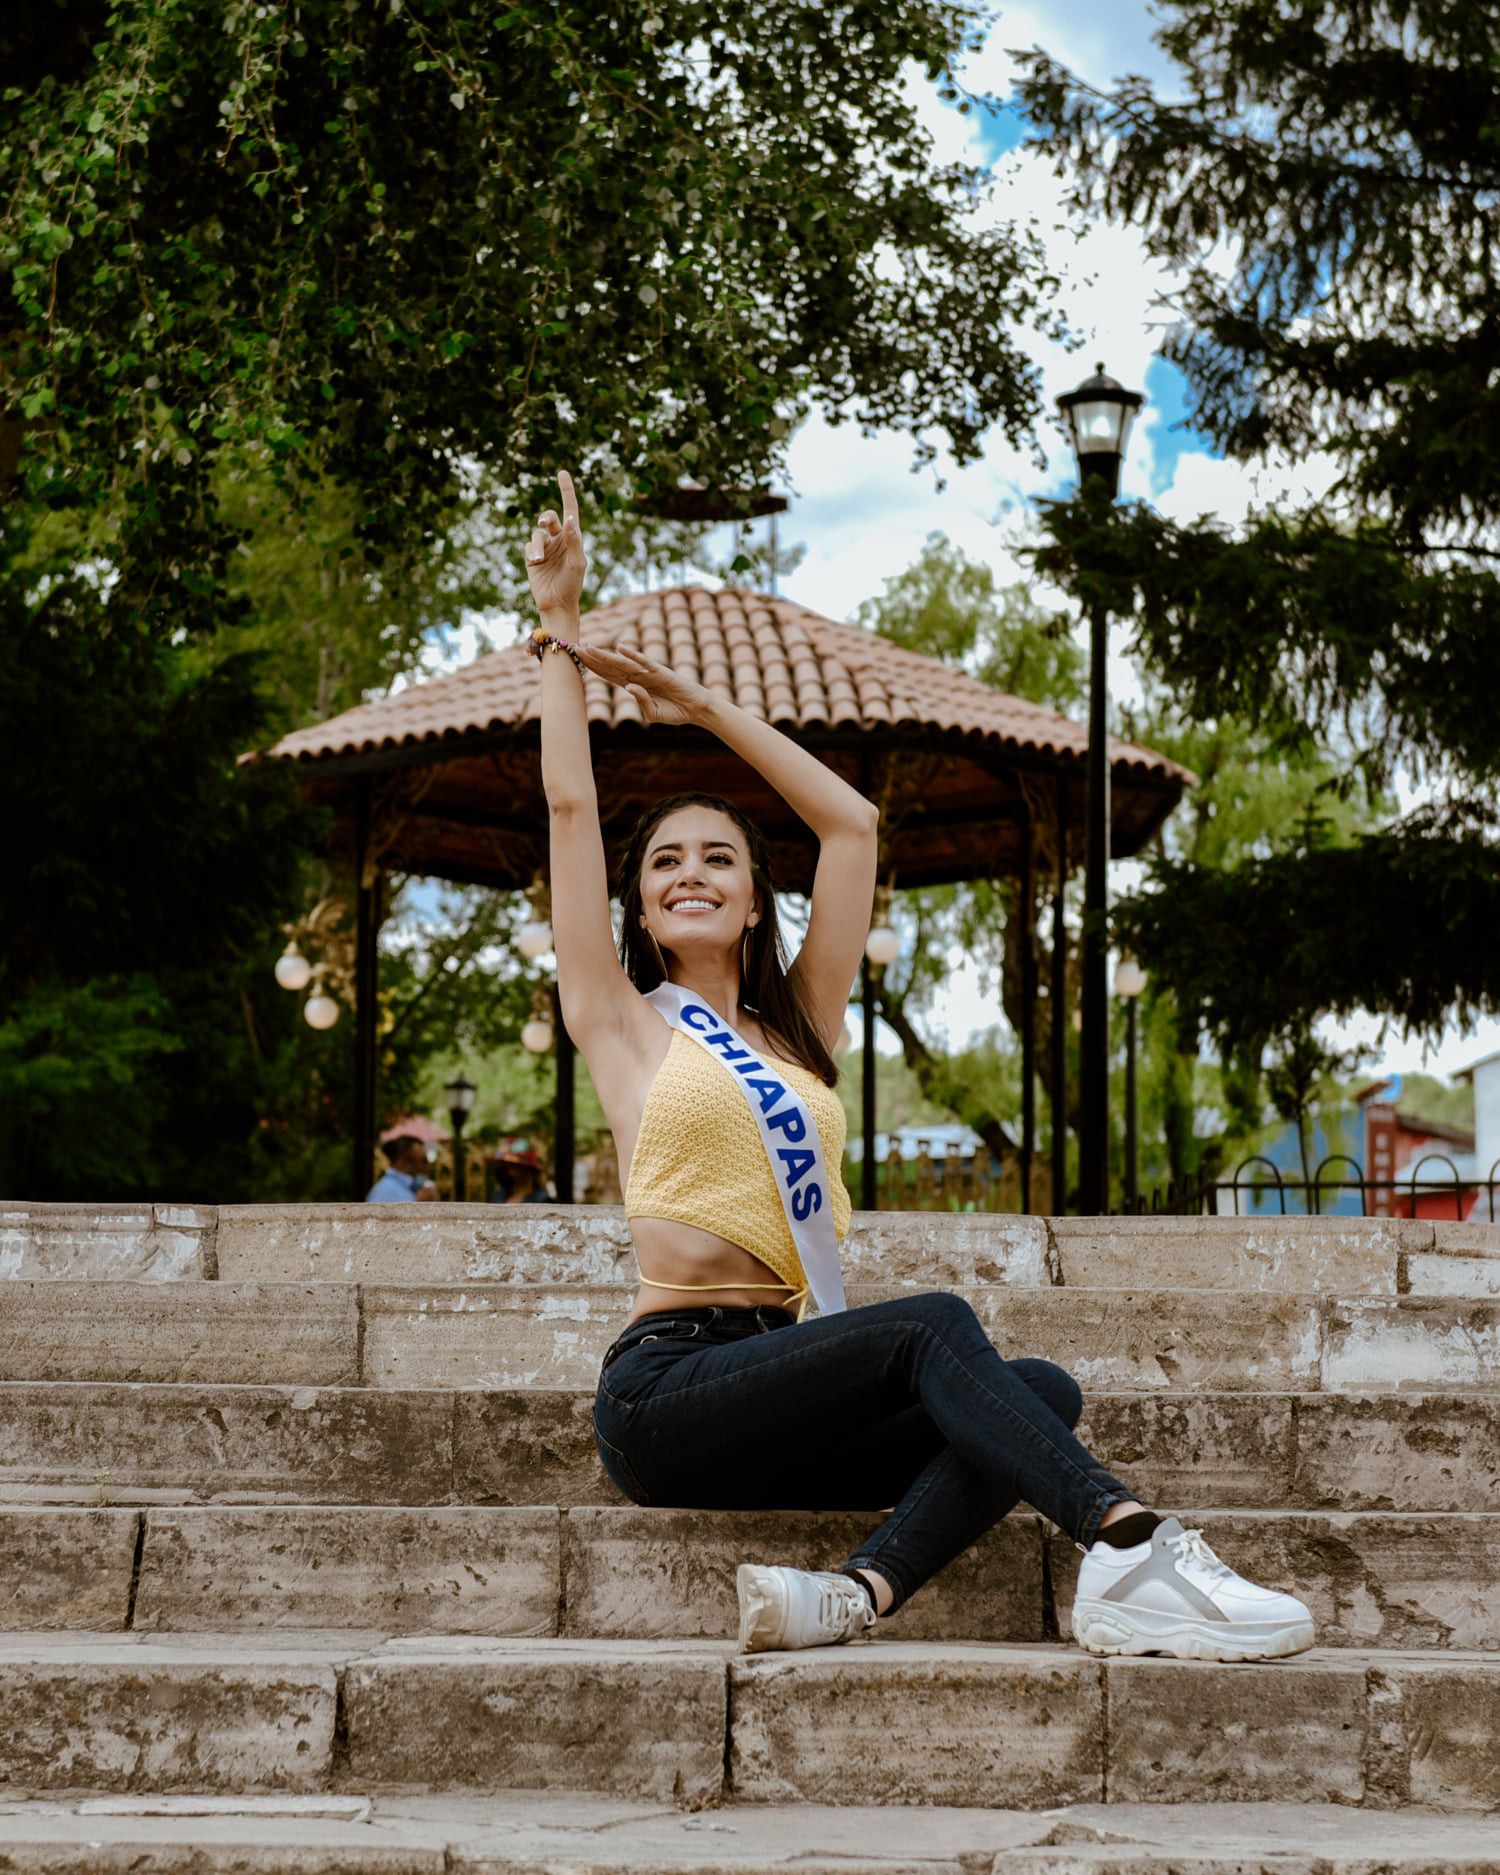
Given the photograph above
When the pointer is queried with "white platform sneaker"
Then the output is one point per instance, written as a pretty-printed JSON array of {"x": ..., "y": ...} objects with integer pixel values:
[
  {"x": 1172, "y": 1595},
  {"x": 785, "y": 1608}
]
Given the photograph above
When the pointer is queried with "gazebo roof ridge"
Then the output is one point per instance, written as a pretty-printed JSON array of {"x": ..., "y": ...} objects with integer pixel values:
[{"x": 774, "y": 657}]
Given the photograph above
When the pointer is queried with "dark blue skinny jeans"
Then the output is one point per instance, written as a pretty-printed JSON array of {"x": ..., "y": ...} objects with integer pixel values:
[{"x": 903, "y": 1403}]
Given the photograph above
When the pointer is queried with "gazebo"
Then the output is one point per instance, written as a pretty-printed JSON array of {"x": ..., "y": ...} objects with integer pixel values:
[{"x": 443, "y": 779}]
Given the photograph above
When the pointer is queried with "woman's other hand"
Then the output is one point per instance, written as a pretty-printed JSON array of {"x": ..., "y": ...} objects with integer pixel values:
[
  {"x": 555, "y": 559},
  {"x": 663, "y": 696}
]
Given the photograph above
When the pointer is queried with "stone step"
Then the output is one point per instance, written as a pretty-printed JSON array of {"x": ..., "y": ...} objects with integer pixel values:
[
  {"x": 1372, "y": 1579},
  {"x": 888, "y": 1723},
  {"x": 590, "y": 1244},
  {"x": 501, "y": 1335},
  {"x": 112, "y": 1444},
  {"x": 584, "y": 1833}
]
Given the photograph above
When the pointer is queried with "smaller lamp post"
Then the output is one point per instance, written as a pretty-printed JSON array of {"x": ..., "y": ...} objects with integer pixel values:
[
  {"x": 1130, "y": 980},
  {"x": 461, "y": 1093},
  {"x": 882, "y": 947}
]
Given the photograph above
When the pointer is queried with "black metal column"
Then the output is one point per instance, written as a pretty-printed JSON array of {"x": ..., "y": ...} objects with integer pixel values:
[
  {"x": 1028, "y": 1020},
  {"x": 1093, "y": 1078},
  {"x": 1132, "y": 1159},
  {"x": 1059, "y": 1000},
  {"x": 562, "y": 1143},
  {"x": 867, "y": 1198},
  {"x": 366, "y": 993}
]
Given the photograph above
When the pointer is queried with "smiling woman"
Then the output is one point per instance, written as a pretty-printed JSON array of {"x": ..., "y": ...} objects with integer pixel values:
[{"x": 712, "y": 1057}]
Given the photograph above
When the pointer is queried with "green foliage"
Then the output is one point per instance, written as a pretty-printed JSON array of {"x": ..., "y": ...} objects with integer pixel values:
[
  {"x": 949, "y": 607},
  {"x": 1303, "y": 626},
  {"x": 1326, "y": 178},
  {"x": 1345, "y": 156},
  {"x": 394, "y": 246}
]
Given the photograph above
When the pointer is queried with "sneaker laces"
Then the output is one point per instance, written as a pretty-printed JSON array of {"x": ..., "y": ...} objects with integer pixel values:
[
  {"x": 1192, "y": 1548},
  {"x": 842, "y": 1605}
]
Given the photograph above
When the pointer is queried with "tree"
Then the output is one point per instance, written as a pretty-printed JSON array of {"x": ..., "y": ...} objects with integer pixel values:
[
  {"x": 1329, "y": 187},
  {"x": 949, "y": 607},
  {"x": 293, "y": 298},
  {"x": 394, "y": 247}
]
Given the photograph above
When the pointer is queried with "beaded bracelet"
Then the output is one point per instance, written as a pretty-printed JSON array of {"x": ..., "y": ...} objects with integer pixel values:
[{"x": 541, "y": 641}]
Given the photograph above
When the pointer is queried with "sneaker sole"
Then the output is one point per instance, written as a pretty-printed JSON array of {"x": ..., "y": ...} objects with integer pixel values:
[
  {"x": 1108, "y": 1628},
  {"x": 760, "y": 1630}
]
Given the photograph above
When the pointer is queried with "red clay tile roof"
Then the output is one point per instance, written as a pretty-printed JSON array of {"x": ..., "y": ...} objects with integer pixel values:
[{"x": 774, "y": 658}]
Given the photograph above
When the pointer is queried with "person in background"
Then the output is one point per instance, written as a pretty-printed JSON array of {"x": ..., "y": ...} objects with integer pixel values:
[
  {"x": 405, "y": 1177},
  {"x": 518, "y": 1174}
]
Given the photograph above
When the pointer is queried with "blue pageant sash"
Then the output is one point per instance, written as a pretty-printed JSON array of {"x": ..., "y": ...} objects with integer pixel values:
[{"x": 788, "y": 1132}]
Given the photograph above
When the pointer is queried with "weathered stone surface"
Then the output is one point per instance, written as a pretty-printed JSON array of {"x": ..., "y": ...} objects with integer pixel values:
[
  {"x": 499, "y": 1335},
  {"x": 490, "y": 1335},
  {"x": 1383, "y": 1451},
  {"x": 527, "y": 1446},
  {"x": 542, "y": 1244},
  {"x": 1442, "y": 1275},
  {"x": 66, "y": 1568},
  {"x": 642, "y": 1722},
  {"x": 115, "y": 1242},
  {"x": 1412, "y": 1341},
  {"x": 1450, "y": 1719},
  {"x": 143, "y": 1718},
  {"x": 946, "y": 1250},
  {"x": 638, "y": 1574},
  {"x": 1159, "y": 1339},
  {"x": 1340, "y": 1256},
  {"x": 900, "y": 1723},
  {"x": 1208, "y": 1449},
  {"x": 1371, "y": 1579},
  {"x": 120, "y": 1443},
  {"x": 453, "y": 1570},
  {"x": 1291, "y": 1730},
  {"x": 1478, "y": 1237},
  {"x": 440, "y": 1243},
  {"x": 584, "y": 1833},
  {"x": 288, "y": 1334}
]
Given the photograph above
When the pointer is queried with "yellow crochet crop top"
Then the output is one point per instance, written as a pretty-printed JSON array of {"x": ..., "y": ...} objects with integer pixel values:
[{"x": 700, "y": 1159}]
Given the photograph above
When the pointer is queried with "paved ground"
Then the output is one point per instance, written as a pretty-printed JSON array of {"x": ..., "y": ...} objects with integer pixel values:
[{"x": 526, "y": 1833}]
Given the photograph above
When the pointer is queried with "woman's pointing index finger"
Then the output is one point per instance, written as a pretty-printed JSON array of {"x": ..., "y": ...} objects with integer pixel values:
[{"x": 569, "y": 498}]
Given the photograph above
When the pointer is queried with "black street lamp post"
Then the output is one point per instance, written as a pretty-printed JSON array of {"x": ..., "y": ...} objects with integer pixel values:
[
  {"x": 461, "y": 1094},
  {"x": 1098, "y": 416}
]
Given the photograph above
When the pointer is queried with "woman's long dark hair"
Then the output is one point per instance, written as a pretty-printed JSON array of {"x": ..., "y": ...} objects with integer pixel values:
[{"x": 765, "y": 986}]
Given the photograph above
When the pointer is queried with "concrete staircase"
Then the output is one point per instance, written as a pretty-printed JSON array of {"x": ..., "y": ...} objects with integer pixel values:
[{"x": 307, "y": 1561}]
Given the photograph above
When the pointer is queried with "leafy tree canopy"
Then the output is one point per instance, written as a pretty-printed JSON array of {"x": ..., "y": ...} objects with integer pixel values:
[
  {"x": 1328, "y": 185},
  {"x": 391, "y": 246}
]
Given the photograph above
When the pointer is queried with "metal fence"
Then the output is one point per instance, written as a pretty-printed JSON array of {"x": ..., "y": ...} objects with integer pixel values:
[{"x": 1207, "y": 1195}]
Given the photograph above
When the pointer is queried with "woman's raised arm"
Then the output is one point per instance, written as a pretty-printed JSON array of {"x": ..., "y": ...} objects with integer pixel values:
[
  {"x": 844, "y": 821},
  {"x": 597, "y": 997}
]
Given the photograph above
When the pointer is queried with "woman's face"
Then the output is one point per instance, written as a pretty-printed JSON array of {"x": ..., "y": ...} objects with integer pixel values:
[{"x": 696, "y": 889}]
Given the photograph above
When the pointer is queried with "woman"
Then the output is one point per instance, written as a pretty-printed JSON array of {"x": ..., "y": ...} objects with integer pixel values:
[{"x": 714, "y": 1066}]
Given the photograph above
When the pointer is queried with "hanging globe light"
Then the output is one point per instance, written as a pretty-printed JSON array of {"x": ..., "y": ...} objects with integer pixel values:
[
  {"x": 320, "y": 1011},
  {"x": 882, "y": 946},
  {"x": 535, "y": 938},
  {"x": 293, "y": 971},
  {"x": 536, "y": 1036}
]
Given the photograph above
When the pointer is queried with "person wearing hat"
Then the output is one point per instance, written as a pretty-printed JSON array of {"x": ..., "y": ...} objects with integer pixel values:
[{"x": 518, "y": 1174}]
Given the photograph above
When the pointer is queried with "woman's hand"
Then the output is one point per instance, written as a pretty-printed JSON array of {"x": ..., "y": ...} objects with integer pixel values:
[
  {"x": 555, "y": 560},
  {"x": 662, "y": 695}
]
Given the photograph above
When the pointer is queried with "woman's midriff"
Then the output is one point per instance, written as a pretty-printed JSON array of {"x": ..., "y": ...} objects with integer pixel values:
[{"x": 710, "y": 1269}]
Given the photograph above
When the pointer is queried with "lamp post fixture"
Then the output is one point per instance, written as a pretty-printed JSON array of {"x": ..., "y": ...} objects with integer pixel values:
[
  {"x": 461, "y": 1093},
  {"x": 882, "y": 947},
  {"x": 1130, "y": 980},
  {"x": 1098, "y": 416}
]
